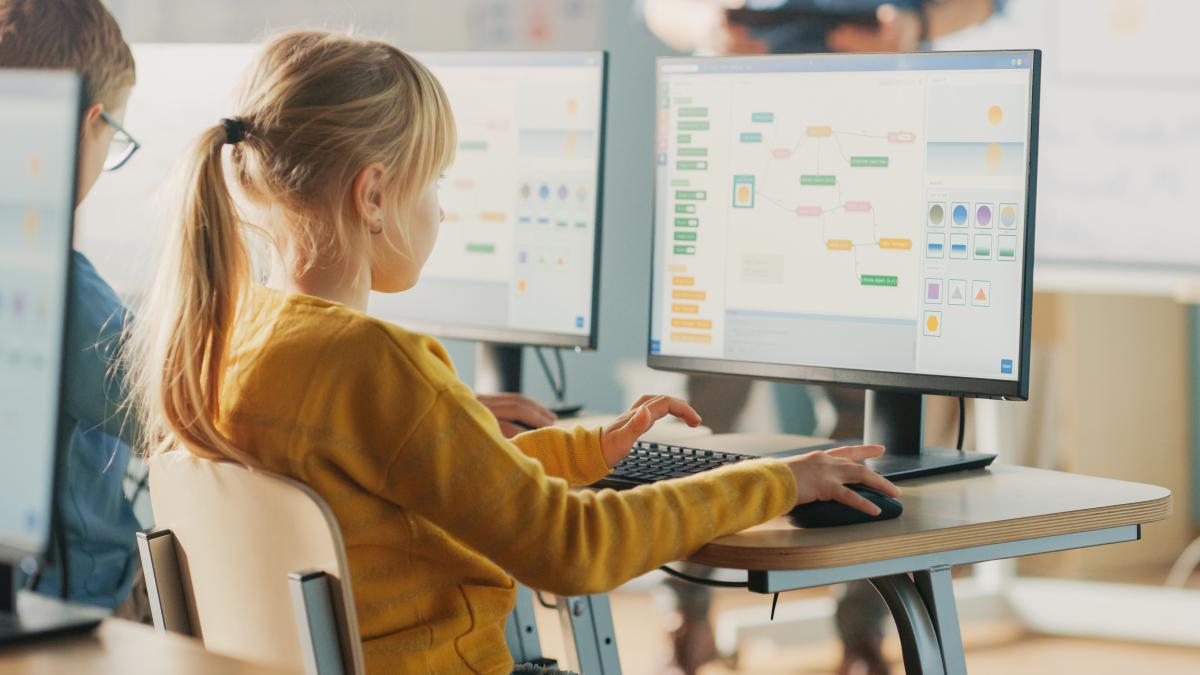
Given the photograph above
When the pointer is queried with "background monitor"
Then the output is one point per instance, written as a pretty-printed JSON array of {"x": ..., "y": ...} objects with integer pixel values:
[
  {"x": 517, "y": 258},
  {"x": 39, "y": 127},
  {"x": 853, "y": 219}
]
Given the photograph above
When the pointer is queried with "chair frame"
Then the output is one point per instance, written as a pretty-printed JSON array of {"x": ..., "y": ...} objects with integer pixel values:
[{"x": 586, "y": 621}]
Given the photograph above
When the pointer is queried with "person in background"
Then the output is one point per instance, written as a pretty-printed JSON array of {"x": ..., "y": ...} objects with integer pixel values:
[
  {"x": 95, "y": 544},
  {"x": 726, "y": 27}
]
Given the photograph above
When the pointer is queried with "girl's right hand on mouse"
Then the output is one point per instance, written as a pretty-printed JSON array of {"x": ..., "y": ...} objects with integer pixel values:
[{"x": 824, "y": 475}]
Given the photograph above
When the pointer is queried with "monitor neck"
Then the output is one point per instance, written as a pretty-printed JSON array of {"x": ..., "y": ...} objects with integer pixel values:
[
  {"x": 497, "y": 368},
  {"x": 8, "y": 588},
  {"x": 896, "y": 421}
]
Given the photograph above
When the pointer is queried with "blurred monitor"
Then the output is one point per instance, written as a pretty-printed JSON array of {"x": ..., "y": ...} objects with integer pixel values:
[
  {"x": 39, "y": 131},
  {"x": 517, "y": 258}
]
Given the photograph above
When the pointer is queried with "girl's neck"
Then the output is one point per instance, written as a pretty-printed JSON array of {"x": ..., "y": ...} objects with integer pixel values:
[{"x": 342, "y": 282}]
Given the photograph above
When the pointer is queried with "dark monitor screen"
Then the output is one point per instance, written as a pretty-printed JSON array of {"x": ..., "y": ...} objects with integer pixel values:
[
  {"x": 39, "y": 122},
  {"x": 853, "y": 219},
  {"x": 517, "y": 257}
]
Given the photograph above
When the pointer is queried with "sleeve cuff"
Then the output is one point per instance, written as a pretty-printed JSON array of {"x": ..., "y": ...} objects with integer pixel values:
[{"x": 591, "y": 458}]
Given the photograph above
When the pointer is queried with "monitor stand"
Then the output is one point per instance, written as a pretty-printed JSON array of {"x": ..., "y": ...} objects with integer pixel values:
[
  {"x": 498, "y": 369},
  {"x": 897, "y": 422},
  {"x": 26, "y": 616}
]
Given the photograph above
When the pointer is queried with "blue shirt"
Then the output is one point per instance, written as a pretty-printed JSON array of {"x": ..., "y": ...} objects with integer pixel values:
[{"x": 98, "y": 519}]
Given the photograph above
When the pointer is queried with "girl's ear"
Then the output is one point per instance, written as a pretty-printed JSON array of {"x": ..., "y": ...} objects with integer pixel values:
[{"x": 368, "y": 194}]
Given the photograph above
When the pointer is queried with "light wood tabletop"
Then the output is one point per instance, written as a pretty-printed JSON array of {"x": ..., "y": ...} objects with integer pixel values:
[
  {"x": 953, "y": 511},
  {"x": 124, "y": 648}
]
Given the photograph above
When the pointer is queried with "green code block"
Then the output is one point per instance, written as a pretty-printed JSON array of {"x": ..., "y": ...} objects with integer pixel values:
[
  {"x": 692, "y": 165},
  {"x": 473, "y": 145},
  {"x": 683, "y": 100},
  {"x": 818, "y": 180},
  {"x": 685, "y": 236},
  {"x": 877, "y": 280},
  {"x": 685, "y": 250},
  {"x": 687, "y": 222},
  {"x": 691, "y": 195},
  {"x": 693, "y": 125},
  {"x": 873, "y": 162},
  {"x": 693, "y": 152},
  {"x": 762, "y": 117},
  {"x": 685, "y": 208},
  {"x": 751, "y": 137},
  {"x": 683, "y": 138},
  {"x": 481, "y": 248},
  {"x": 693, "y": 112},
  {"x": 680, "y": 182}
]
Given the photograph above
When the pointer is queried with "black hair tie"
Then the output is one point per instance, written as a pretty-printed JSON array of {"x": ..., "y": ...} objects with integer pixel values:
[{"x": 235, "y": 130}]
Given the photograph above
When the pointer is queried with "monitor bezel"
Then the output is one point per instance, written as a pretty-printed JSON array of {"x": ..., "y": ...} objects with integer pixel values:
[
  {"x": 1013, "y": 390},
  {"x": 516, "y": 336},
  {"x": 11, "y": 551}
]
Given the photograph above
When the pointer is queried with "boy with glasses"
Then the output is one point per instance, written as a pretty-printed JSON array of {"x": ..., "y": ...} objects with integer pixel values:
[{"x": 95, "y": 545}]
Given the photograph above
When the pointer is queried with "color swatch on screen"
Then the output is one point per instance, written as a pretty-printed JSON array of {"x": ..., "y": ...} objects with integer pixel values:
[
  {"x": 1008, "y": 216},
  {"x": 937, "y": 215},
  {"x": 961, "y": 214},
  {"x": 983, "y": 215}
]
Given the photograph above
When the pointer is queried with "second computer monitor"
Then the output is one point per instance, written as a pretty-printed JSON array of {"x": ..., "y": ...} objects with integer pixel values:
[
  {"x": 39, "y": 126},
  {"x": 852, "y": 219},
  {"x": 517, "y": 257}
]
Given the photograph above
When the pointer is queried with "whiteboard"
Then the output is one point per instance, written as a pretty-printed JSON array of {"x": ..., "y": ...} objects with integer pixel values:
[{"x": 1120, "y": 129}]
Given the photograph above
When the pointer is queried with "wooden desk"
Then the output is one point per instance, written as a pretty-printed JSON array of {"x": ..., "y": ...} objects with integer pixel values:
[
  {"x": 993, "y": 506},
  {"x": 122, "y": 648},
  {"x": 954, "y": 519}
]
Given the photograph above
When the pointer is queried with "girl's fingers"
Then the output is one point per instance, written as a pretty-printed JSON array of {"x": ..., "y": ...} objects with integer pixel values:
[
  {"x": 854, "y": 500},
  {"x": 869, "y": 478},
  {"x": 669, "y": 405},
  {"x": 857, "y": 453}
]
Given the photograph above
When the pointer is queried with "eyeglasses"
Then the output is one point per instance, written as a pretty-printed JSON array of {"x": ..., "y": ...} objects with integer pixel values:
[{"x": 122, "y": 147}]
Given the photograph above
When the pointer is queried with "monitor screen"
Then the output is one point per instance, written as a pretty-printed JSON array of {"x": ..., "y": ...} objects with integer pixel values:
[
  {"x": 852, "y": 219},
  {"x": 517, "y": 257},
  {"x": 39, "y": 123}
]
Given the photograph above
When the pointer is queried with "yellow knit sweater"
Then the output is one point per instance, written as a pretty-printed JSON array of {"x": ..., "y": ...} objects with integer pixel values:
[{"x": 439, "y": 512}]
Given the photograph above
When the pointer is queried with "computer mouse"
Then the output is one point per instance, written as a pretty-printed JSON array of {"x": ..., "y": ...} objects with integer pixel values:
[{"x": 833, "y": 514}]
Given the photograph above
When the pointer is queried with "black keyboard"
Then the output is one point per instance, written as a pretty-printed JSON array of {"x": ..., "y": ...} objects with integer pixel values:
[{"x": 649, "y": 462}]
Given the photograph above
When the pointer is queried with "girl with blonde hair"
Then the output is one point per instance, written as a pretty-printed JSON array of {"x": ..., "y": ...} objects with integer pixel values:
[{"x": 336, "y": 152}]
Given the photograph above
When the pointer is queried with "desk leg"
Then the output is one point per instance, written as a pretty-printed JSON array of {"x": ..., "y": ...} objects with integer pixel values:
[
  {"x": 918, "y": 636},
  {"x": 937, "y": 591}
]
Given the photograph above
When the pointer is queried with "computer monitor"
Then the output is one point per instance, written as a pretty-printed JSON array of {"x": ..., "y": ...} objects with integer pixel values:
[
  {"x": 39, "y": 131},
  {"x": 862, "y": 220},
  {"x": 517, "y": 260}
]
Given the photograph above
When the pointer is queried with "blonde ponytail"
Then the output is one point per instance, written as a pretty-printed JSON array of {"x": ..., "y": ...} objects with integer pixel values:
[
  {"x": 316, "y": 110},
  {"x": 191, "y": 310}
]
